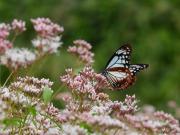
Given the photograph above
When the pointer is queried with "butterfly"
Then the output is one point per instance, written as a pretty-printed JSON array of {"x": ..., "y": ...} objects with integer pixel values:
[{"x": 119, "y": 72}]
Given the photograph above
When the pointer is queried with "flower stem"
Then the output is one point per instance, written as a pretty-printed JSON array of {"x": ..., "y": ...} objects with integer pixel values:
[
  {"x": 8, "y": 78},
  {"x": 14, "y": 37},
  {"x": 57, "y": 92},
  {"x": 22, "y": 125},
  {"x": 81, "y": 103},
  {"x": 57, "y": 124}
]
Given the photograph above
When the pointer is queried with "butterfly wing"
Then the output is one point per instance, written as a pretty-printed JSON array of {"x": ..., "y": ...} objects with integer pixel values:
[
  {"x": 118, "y": 77},
  {"x": 136, "y": 68},
  {"x": 119, "y": 72},
  {"x": 120, "y": 58}
]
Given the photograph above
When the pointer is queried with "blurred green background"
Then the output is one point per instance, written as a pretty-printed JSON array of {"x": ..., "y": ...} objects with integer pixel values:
[{"x": 152, "y": 26}]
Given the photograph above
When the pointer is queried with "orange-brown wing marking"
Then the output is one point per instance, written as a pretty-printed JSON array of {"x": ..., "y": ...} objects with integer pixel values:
[{"x": 119, "y": 77}]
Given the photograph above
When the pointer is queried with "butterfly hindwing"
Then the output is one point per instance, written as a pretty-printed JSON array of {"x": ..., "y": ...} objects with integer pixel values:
[
  {"x": 116, "y": 76},
  {"x": 137, "y": 67}
]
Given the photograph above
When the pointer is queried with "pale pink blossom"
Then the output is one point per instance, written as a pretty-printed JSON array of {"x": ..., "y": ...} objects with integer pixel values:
[
  {"x": 166, "y": 117},
  {"x": 3, "y": 107},
  {"x": 31, "y": 85},
  {"x": 69, "y": 129},
  {"x": 127, "y": 107},
  {"x": 79, "y": 83},
  {"x": 104, "y": 121},
  {"x": 118, "y": 108},
  {"x": 46, "y": 28},
  {"x": 49, "y": 38},
  {"x": 47, "y": 45},
  {"x": 18, "y": 26},
  {"x": 82, "y": 49},
  {"x": 60, "y": 116},
  {"x": 17, "y": 58},
  {"x": 21, "y": 101},
  {"x": 152, "y": 124},
  {"x": 4, "y": 30},
  {"x": 86, "y": 80},
  {"x": 4, "y": 45}
]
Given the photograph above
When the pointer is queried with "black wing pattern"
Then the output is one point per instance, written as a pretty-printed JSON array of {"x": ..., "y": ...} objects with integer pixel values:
[
  {"x": 121, "y": 57},
  {"x": 115, "y": 77},
  {"x": 119, "y": 72},
  {"x": 136, "y": 68}
]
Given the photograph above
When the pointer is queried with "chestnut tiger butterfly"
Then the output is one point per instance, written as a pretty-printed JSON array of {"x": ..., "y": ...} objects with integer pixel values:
[{"x": 119, "y": 72}]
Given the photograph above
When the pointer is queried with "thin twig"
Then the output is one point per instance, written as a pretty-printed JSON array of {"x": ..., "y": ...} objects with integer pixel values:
[
  {"x": 57, "y": 124},
  {"x": 8, "y": 78},
  {"x": 57, "y": 92}
]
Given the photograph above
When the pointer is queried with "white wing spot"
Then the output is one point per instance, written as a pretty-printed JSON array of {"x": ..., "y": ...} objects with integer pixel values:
[
  {"x": 119, "y": 51},
  {"x": 119, "y": 74}
]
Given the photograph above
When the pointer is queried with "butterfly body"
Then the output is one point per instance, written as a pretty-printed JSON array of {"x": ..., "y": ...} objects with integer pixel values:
[{"x": 119, "y": 72}]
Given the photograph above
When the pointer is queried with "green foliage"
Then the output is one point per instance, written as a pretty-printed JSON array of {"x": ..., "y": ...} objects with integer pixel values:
[
  {"x": 86, "y": 126},
  {"x": 153, "y": 27},
  {"x": 12, "y": 121},
  {"x": 32, "y": 110},
  {"x": 47, "y": 94}
]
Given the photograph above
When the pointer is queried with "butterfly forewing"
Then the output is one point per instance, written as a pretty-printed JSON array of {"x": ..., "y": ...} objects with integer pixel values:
[{"x": 120, "y": 58}]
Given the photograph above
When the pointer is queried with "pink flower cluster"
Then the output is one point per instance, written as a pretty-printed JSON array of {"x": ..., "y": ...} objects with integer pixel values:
[
  {"x": 17, "y": 58},
  {"x": 59, "y": 116},
  {"x": 4, "y": 33},
  {"x": 171, "y": 124},
  {"x": 88, "y": 109},
  {"x": 13, "y": 58},
  {"x": 25, "y": 91},
  {"x": 31, "y": 85},
  {"x": 86, "y": 82},
  {"x": 91, "y": 106},
  {"x": 23, "y": 101},
  {"x": 104, "y": 121},
  {"x": 157, "y": 122},
  {"x": 4, "y": 30},
  {"x": 129, "y": 106},
  {"x": 4, "y": 45},
  {"x": 82, "y": 49},
  {"x": 18, "y": 26},
  {"x": 46, "y": 28},
  {"x": 48, "y": 39}
]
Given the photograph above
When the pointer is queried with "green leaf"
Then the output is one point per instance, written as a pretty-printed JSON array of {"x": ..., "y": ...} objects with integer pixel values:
[
  {"x": 12, "y": 121},
  {"x": 77, "y": 70},
  {"x": 32, "y": 110},
  {"x": 47, "y": 94},
  {"x": 86, "y": 126}
]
